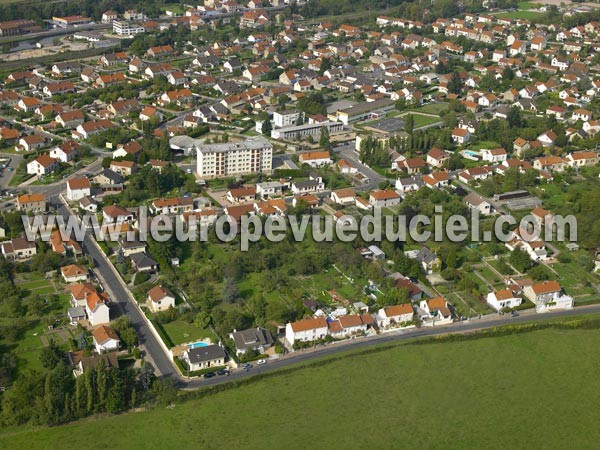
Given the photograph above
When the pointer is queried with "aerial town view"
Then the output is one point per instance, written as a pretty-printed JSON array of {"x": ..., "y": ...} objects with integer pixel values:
[{"x": 299, "y": 224}]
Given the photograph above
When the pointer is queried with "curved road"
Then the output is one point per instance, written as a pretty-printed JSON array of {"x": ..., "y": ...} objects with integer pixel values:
[
  {"x": 161, "y": 361},
  {"x": 154, "y": 352},
  {"x": 332, "y": 349}
]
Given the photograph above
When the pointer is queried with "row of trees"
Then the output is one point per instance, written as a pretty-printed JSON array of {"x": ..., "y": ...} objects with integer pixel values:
[{"x": 53, "y": 396}]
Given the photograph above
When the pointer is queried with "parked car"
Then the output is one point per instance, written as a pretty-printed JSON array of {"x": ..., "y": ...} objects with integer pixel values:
[
  {"x": 209, "y": 374},
  {"x": 260, "y": 362}
]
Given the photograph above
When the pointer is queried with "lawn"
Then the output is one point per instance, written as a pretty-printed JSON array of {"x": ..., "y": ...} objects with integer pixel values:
[
  {"x": 36, "y": 332},
  {"x": 180, "y": 332},
  {"x": 379, "y": 400},
  {"x": 529, "y": 5},
  {"x": 432, "y": 108},
  {"x": 527, "y": 15},
  {"x": 421, "y": 120}
]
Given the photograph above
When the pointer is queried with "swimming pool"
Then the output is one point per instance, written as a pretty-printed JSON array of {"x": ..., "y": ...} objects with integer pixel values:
[
  {"x": 471, "y": 153},
  {"x": 197, "y": 344}
]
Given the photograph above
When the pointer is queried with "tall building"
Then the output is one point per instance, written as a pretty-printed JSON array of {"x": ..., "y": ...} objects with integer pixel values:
[
  {"x": 234, "y": 158},
  {"x": 126, "y": 28}
]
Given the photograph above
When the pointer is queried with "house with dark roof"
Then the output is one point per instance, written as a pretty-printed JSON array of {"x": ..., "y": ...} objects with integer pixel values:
[
  {"x": 143, "y": 263},
  {"x": 205, "y": 357},
  {"x": 253, "y": 339}
]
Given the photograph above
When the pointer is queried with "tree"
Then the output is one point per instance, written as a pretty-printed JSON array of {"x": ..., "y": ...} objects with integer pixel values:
[
  {"x": 455, "y": 84},
  {"x": 202, "y": 320},
  {"x": 230, "y": 290},
  {"x": 394, "y": 296},
  {"x": 125, "y": 331},
  {"x": 266, "y": 127},
  {"x": 514, "y": 117},
  {"x": 324, "y": 138},
  {"x": 409, "y": 123},
  {"x": 51, "y": 355},
  {"x": 82, "y": 340},
  {"x": 520, "y": 260}
]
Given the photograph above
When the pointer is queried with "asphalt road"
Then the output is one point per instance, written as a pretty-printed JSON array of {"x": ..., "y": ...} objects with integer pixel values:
[
  {"x": 347, "y": 152},
  {"x": 164, "y": 366},
  {"x": 332, "y": 349},
  {"x": 119, "y": 295}
]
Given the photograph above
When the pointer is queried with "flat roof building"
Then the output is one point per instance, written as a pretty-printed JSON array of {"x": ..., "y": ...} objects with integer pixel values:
[{"x": 234, "y": 158}]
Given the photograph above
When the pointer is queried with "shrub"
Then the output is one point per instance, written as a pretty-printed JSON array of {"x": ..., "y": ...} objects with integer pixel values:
[{"x": 141, "y": 277}]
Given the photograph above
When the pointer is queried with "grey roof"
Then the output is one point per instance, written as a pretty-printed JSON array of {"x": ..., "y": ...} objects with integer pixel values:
[
  {"x": 253, "y": 337},
  {"x": 425, "y": 255},
  {"x": 125, "y": 244},
  {"x": 248, "y": 144},
  {"x": 409, "y": 181},
  {"x": 142, "y": 260},
  {"x": 364, "y": 107},
  {"x": 474, "y": 199},
  {"x": 111, "y": 175},
  {"x": 87, "y": 201},
  {"x": 304, "y": 184},
  {"x": 207, "y": 353},
  {"x": 77, "y": 311}
]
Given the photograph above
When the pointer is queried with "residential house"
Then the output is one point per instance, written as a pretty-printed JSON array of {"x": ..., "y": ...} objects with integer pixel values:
[
  {"x": 160, "y": 298},
  {"x": 42, "y": 165},
  {"x": 115, "y": 213},
  {"x": 77, "y": 188},
  {"x": 105, "y": 339},
  {"x": 124, "y": 168},
  {"x": 141, "y": 262},
  {"x": 384, "y": 198},
  {"x": 395, "y": 315},
  {"x": 477, "y": 202},
  {"x": 436, "y": 157},
  {"x": 494, "y": 155},
  {"x": 582, "y": 158},
  {"x": 312, "y": 185},
  {"x": 344, "y": 196},
  {"x": 70, "y": 119},
  {"x": 74, "y": 273},
  {"x": 315, "y": 159},
  {"x": 35, "y": 203},
  {"x": 256, "y": 340},
  {"x": 460, "y": 136},
  {"x": 97, "y": 309},
  {"x": 435, "y": 311},
  {"x": 205, "y": 357},
  {"x": 18, "y": 248},
  {"x": 65, "y": 152},
  {"x": 548, "y": 295},
  {"x": 503, "y": 299},
  {"x": 128, "y": 247},
  {"x": 31, "y": 142},
  {"x": 241, "y": 195},
  {"x": 81, "y": 363},
  {"x": 306, "y": 330}
]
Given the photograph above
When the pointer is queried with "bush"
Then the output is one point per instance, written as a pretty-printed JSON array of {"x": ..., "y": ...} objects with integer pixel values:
[{"x": 140, "y": 278}]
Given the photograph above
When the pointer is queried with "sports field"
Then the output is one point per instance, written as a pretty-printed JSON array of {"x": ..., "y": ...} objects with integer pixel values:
[{"x": 531, "y": 390}]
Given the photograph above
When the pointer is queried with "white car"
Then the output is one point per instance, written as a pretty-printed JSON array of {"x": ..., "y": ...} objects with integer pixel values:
[{"x": 260, "y": 362}]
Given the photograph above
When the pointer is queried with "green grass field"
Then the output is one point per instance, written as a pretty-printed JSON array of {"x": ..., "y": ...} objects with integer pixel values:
[
  {"x": 421, "y": 121},
  {"x": 533, "y": 16},
  {"x": 36, "y": 333},
  {"x": 532, "y": 390},
  {"x": 181, "y": 332}
]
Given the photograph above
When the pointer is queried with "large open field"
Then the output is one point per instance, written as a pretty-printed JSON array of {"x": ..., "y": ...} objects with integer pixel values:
[{"x": 532, "y": 390}]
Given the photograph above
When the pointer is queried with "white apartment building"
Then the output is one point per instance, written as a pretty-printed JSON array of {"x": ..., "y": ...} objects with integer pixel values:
[
  {"x": 125, "y": 28},
  {"x": 286, "y": 118},
  {"x": 310, "y": 129},
  {"x": 234, "y": 158}
]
